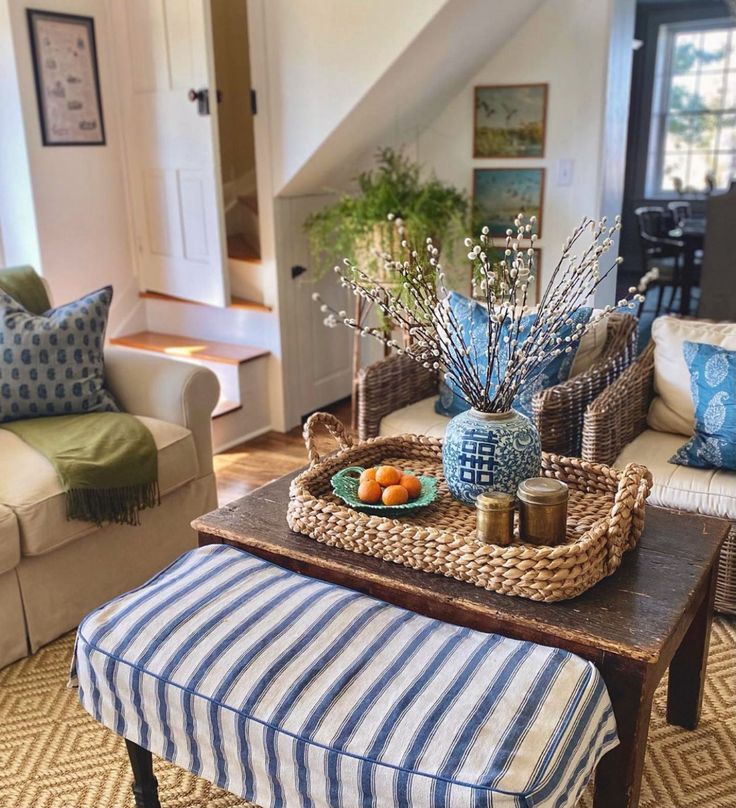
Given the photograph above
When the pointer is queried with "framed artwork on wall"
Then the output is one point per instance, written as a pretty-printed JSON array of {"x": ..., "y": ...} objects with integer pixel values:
[
  {"x": 499, "y": 194},
  {"x": 510, "y": 120},
  {"x": 64, "y": 56}
]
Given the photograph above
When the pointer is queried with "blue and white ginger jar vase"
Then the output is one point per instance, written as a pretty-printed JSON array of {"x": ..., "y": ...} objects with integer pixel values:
[{"x": 489, "y": 451}]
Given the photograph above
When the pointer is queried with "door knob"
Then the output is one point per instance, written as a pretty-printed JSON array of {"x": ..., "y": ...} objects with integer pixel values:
[{"x": 202, "y": 97}]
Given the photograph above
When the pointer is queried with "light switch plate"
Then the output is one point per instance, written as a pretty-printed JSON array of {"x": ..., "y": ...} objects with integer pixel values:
[{"x": 565, "y": 168}]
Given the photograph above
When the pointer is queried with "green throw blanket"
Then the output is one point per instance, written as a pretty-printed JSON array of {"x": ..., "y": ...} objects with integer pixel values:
[{"x": 107, "y": 462}]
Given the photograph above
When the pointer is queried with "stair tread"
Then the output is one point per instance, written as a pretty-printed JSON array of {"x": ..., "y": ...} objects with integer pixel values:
[
  {"x": 225, "y": 407},
  {"x": 186, "y": 347},
  {"x": 235, "y": 302},
  {"x": 239, "y": 248}
]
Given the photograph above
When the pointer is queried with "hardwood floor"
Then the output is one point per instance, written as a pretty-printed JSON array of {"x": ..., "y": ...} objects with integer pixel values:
[{"x": 250, "y": 465}]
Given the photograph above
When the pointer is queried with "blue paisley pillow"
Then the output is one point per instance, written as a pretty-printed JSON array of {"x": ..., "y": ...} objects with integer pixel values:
[
  {"x": 713, "y": 387},
  {"x": 52, "y": 364},
  {"x": 473, "y": 319}
]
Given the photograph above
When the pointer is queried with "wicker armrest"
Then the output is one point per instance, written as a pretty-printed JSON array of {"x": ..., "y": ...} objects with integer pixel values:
[
  {"x": 389, "y": 385},
  {"x": 619, "y": 413},
  {"x": 559, "y": 411}
]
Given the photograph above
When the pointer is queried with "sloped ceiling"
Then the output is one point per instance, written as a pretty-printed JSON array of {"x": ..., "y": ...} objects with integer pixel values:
[{"x": 456, "y": 42}]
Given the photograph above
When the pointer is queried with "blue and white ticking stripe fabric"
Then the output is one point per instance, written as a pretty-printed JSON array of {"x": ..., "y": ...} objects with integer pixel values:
[{"x": 289, "y": 691}]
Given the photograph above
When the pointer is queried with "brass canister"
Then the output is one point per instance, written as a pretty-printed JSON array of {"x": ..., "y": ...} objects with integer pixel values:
[
  {"x": 543, "y": 510},
  {"x": 495, "y": 517}
]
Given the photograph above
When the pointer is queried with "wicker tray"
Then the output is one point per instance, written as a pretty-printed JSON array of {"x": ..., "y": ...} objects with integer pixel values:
[{"x": 605, "y": 519}]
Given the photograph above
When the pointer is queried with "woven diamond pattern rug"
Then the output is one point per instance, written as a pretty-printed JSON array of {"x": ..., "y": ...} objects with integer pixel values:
[{"x": 53, "y": 755}]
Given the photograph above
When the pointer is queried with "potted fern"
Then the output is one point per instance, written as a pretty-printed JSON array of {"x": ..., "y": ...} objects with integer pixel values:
[{"x": 358, "y": 225}]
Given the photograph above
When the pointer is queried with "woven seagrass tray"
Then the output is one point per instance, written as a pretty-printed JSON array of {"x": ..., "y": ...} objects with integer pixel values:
[{"x": 605, "y": 519}]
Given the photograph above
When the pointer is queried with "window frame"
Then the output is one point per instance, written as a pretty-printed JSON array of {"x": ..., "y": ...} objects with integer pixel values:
[{"x": 660, "y": 95}]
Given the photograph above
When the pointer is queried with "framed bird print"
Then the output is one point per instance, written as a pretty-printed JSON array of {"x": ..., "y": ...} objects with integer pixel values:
[
  {"x": 510, "y": 120},
  {"x": 500, "y": 194}
]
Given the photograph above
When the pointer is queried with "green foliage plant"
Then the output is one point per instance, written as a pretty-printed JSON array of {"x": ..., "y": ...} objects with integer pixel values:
[{"x": 358, "y": 225}]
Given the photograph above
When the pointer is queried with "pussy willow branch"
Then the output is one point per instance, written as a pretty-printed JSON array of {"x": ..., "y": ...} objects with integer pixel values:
[{"x": 414, "y": 297}]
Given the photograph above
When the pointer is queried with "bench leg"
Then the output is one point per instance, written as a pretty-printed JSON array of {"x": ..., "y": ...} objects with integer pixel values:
[
  {"x": 687, "y": 668},
  {"x": 145, "y": 786}
]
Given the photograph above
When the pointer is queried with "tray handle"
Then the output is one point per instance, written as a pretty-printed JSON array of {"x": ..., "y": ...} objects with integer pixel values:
[
  {"x": 332, "y": 425},
  {"x": 627, "y": 517}
]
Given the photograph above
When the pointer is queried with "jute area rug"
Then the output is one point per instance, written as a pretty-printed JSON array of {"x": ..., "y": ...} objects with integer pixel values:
[{"x": 53, "y": 755}]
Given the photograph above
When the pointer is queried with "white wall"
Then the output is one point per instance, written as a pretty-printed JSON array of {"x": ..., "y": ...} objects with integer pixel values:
[
  {"x": 17, "y": 213},
  {"x": 79, "y": 196},
  {"x": 323, "y": 56},
  {"x": 566, "y": 44}
]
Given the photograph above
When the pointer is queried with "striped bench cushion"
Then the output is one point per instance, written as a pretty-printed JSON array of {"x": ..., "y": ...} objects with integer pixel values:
[{"x": 290, "y": 691}]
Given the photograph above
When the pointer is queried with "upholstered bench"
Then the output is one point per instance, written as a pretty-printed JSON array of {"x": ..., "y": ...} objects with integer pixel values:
[{"x": 290, "y": 691}]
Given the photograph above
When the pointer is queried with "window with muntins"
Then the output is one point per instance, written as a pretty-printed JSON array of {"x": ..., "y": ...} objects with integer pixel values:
[{"x": 693, "y": 133}]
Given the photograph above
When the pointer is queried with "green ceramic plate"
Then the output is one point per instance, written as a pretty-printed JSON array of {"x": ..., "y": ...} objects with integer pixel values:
[{"x": 345, "y": 485}]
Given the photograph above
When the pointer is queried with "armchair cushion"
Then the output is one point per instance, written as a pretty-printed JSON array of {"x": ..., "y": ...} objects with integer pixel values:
[
  {"x": 709, "y": 492},
  {"x": 713, "y": 385},
  {"x": 672, "y": 409},
  {"x": 592, "y": 345},
  {"x": 31, "y": 488},
  {"x": 9, "y": 540},
  {"x": 472, "y": 318},
  {"x": 419, "y": 418}
]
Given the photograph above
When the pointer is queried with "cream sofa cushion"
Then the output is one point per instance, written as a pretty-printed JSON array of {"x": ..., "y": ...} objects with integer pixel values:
[
  {"x": 30, "y": 487},
  {"x": 418, "y": 419},
  {"x": 672, "y": 408},
  {"x": 9, "y": 540},
  {"x": 707, "y": 491}
]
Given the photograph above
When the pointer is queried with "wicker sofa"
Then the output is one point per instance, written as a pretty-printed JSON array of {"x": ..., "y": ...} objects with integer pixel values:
[
  {"x": 617, "y": 431},
  {"x": 397, "y": 394}
]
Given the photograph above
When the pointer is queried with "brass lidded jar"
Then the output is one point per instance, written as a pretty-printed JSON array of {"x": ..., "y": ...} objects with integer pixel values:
[
  {"x": 543, "y": 510},
  {"x": 495, "y": 517}
]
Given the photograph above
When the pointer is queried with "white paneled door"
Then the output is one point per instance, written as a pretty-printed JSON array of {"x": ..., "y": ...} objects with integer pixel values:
[
  {"x": 321, "y": 369},
  {"x": 174, "y": 151}
]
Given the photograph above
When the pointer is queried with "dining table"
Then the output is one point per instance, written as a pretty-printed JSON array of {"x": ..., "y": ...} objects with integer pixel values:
[{"x": 691, "y": 233}]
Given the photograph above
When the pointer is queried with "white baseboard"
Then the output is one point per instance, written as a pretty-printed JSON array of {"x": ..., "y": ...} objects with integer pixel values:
[{"x": 243, "y": 439}]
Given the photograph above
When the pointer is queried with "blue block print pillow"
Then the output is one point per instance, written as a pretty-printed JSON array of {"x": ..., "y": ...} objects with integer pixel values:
[
  {"x": 713, "y": 387},
  {"x": 473, "y": 319},
  {"x": 52, "y": 364}
]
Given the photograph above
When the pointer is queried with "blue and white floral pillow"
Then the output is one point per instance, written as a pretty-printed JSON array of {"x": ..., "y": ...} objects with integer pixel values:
[
  {"x": 52, "y": 364},
  {"x": 473, "y": 319},
  {"x": 713, "y": 387}
]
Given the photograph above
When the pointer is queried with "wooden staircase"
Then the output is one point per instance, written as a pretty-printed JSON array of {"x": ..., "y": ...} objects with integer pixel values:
[
  {"x": 185, "y": 348},
  {"x": 240, "y": 369}
]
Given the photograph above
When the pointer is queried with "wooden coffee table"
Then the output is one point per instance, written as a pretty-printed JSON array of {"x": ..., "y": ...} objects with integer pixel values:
[{"x": 652, "y": 615}]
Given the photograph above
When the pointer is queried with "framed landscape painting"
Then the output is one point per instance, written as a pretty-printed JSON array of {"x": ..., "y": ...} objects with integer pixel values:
[
  {"x": 510, "y": 120},
  {"x": 499, "y": 194}
]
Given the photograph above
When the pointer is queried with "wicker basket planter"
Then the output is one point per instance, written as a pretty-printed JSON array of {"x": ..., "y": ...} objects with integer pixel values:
[{"x": 606, "y": 517}]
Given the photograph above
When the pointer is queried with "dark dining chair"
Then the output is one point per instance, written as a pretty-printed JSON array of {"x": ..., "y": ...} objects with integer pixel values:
[
  {"x": 680, "y": 211},
  {"x": 660, "y": 251}
]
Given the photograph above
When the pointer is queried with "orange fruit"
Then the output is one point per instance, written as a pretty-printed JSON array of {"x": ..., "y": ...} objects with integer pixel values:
[
  {"x": 388, "y": 475},
  {"x": 369, "y": 491},
  {"x": 395, "y": 495},
  {"x": 368, "y": 474},
  {"x": 412, "y": 484}
]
